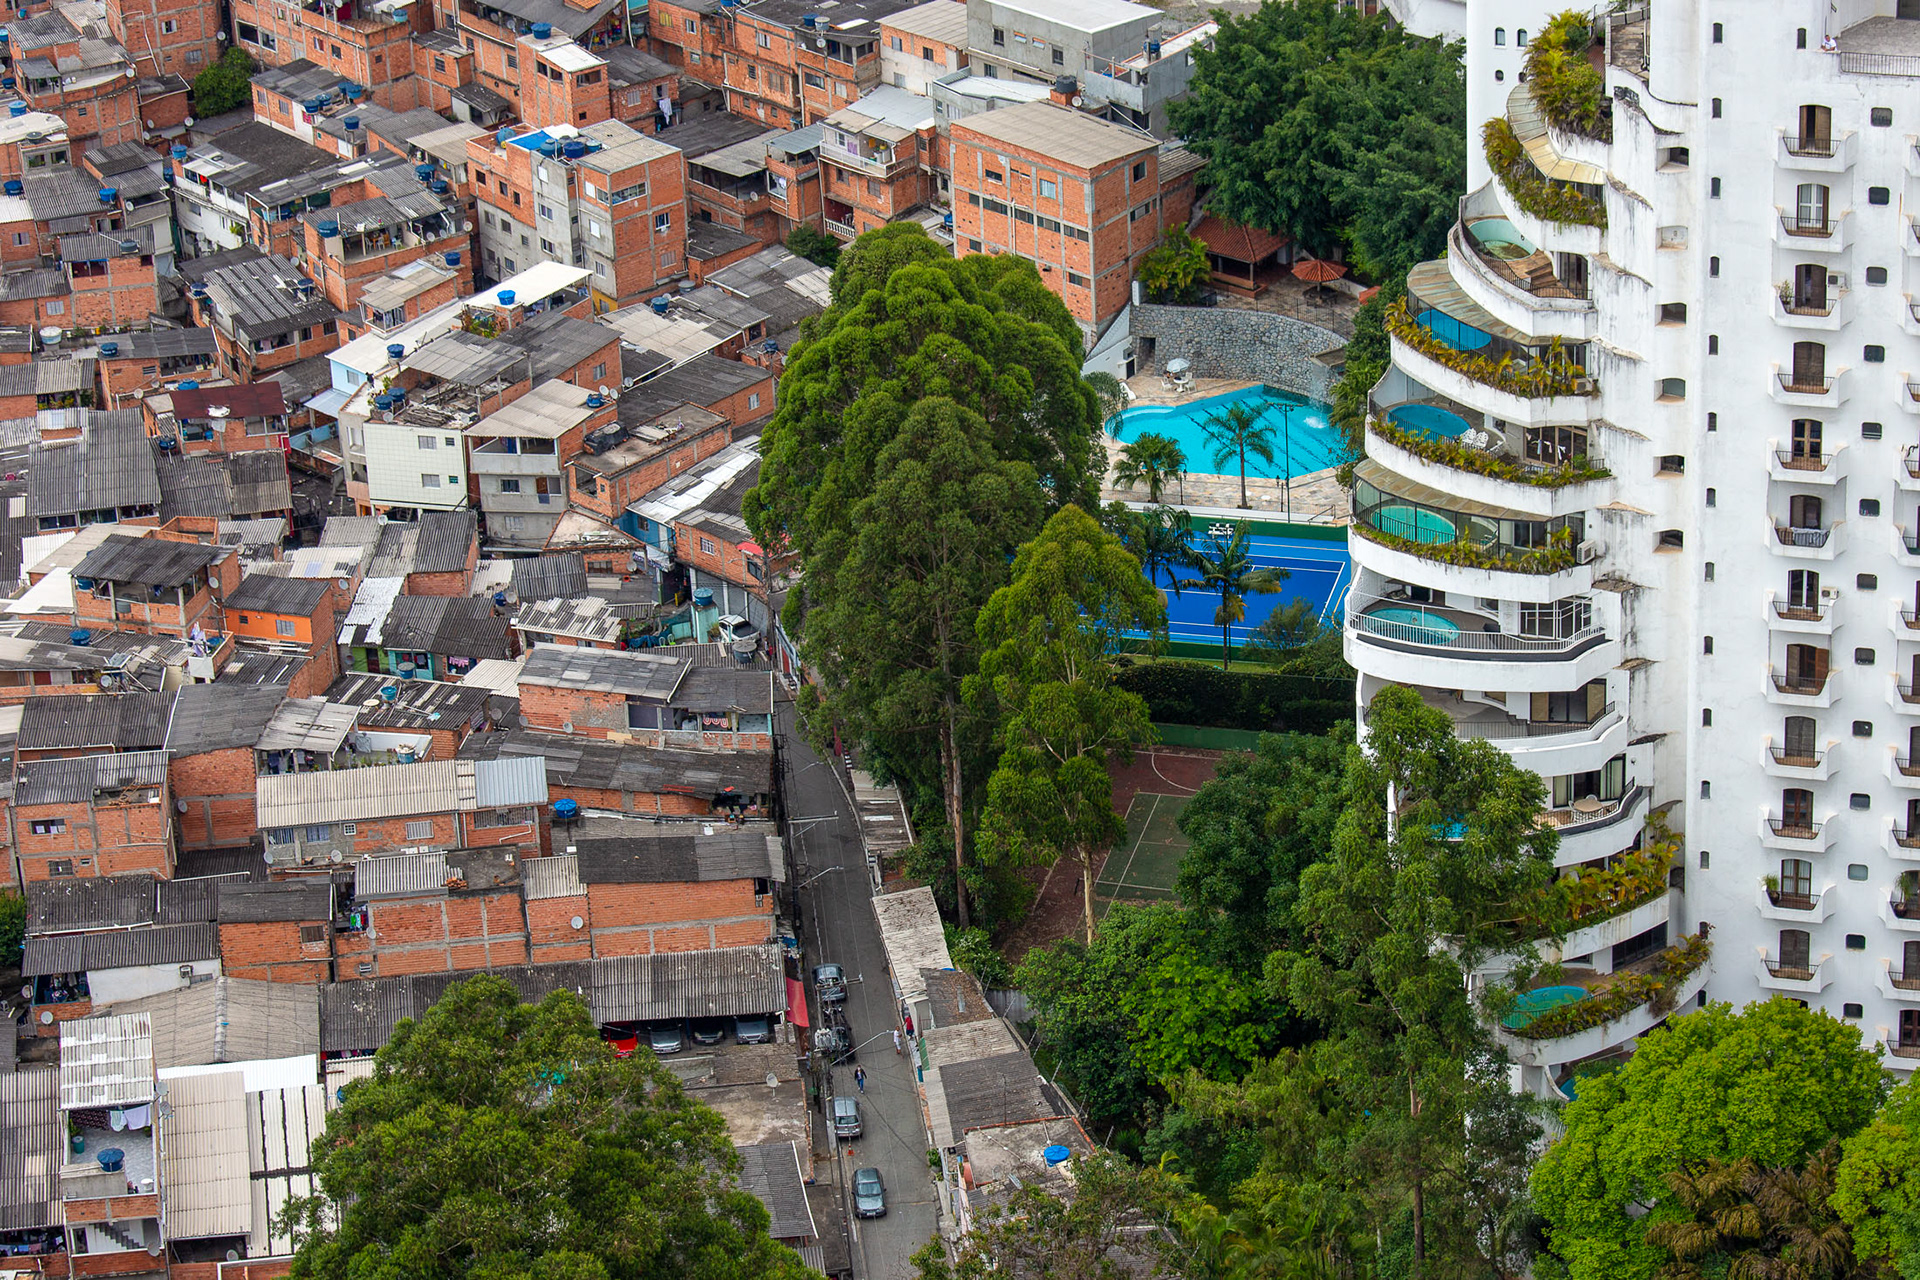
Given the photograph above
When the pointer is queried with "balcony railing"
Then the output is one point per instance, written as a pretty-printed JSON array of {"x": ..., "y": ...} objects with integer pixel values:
[
  {"x": 1570, "y": 819},
  {"x": 1821, "y": 147},
  {"x": 1802, "y": 461},
  {"x": 1799, "y": 386},
  {"x": 1794, "y": 536},
  {"x": 1904, "y": 979},
  {"x": 1796, "y": 759},
  {"x": 1793, "y": 901},
  {"x": 1794, "y": 830},
  {"x": 1436, "y": 630},
  {"x": 1907, "y": 691},
  {"x": 1791, "y": 972},
  {"x": 1794, "y": 225},
  {"x": 1911, "y": 618},
  {"x": 1911, "y": 456},
  {"x": 1905, "y": 908},
  {"x": 1905, "y": 840},
  {"x": 1510, "y": 728},
  {"x": 1908, "y": 768},
  {"x": 1800, "y": 686},
  {"x": 1799, "y": 612}
]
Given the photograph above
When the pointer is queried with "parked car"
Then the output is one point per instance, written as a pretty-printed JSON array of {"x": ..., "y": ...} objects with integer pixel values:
[
  {"x": 830, "y": 980},
  {"x": 845, "y": 1114},
  {"x": 753, "y": 1030},
  {"x": 707, "y": 1030},
  {"x": 623, "y": 1043},
  {"x": 665, "y": 1038},
  {"x": 869, "y": 1196}
]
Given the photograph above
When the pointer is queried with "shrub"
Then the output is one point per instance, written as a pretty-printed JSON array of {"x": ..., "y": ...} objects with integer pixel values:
[
  {"x": 814, "y": 245},
  {"x": 1557, "y": 556},
  {"x": 225, "y": 86},
  {"x": 1625, "y": 993},
  {"x": 1570, "y": 93},
  {"x": 1451, "y": 453},
  {"x": 1532, "y": 191},
  {"x": 1552, "y": 374},
  {"x": 1275, "y": 701}
]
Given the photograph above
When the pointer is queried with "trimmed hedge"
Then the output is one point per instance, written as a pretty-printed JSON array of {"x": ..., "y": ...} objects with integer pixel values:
[{"x": 1242, "y": 698}]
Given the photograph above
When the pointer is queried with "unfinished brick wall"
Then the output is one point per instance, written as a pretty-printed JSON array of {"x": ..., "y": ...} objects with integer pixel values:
[
  {"x": 551, "y": 932},
  {"x": 448, "y": 933},
  {"x": 277, "y": 951},
  {"x": 217, "y": 788},
  {"x": 638, "y": 919}
]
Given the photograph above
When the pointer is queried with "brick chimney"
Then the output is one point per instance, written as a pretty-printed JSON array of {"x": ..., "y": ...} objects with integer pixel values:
[{"x": 1065, "y": 90}]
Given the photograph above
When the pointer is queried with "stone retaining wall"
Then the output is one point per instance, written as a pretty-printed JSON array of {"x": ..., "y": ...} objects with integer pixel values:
[{"x": 1222, "y": 342}]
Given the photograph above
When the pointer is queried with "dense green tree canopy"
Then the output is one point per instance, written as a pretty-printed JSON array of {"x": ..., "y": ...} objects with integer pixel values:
[
  {"x": 1772, "y": 1084},
  {"x": 1333, "y": 126},
  {"x": 1878, "y": 1185},
  {"x": 503, "y": 1141},
  {"x": 225, "y": 86}
]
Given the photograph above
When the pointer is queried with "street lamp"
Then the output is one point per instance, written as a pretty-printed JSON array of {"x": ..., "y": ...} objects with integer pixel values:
[
  {"x": 1286, "y": 430},
  {"x": 815, "y": 876}
]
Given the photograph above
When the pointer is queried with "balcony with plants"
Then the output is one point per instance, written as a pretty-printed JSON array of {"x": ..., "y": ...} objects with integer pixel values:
[
  {"x": 1558, "y": 204},
  {"x": 1442, "y": 325},
  {"x": 1597, "y": 907},
  {"x": 1566, "y": 86},
  {"x": 1416, "y": 520},
  {"x": 1436, "y": 430},
  {"x": 1507, "y": 273},
  {"x": 1583, "y": 1013}
]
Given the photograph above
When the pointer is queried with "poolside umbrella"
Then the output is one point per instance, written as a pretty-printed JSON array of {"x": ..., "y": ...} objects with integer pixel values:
[{"x": 1317, "y": 271}]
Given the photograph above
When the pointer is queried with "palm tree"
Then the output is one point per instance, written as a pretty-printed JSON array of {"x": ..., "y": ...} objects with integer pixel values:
[
  {"x": 1752, "y": 1220},
  {"x": 1153, "y": 460},
  {"x": 1110, "y": 392},
  {"x": 1235, "y": 432},
  {"x": 1157, "y": 538},
  {"x": 1230, "y": 571}
]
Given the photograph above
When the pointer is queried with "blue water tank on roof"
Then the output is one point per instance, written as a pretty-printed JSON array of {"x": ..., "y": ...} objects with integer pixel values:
[
  {"x": 395, "y": 350},
  {"x": 573, "y": 148},
  {"x": 80, "y": 637},
  {"x": 109, "y": 194},
  {"x": 439, "y": 186},
  {"x": 179, "y": 152},
  {"x": 353, "y": 92},
  {"x": 352, "y": 123},
  {"x": 453, "y": 258},
  {"x": 595, "y": 400},
  {"x": 109, "y": 348},
  {"x": 541, "y": 30},
  {"x": 328, "y": 230},
  {"x": 15, "y": 187},
  {"x": 423, "y": 171},
  {"x": 566, "y": 810},
  {"x": 506, "y": 297},
  {"x": 190, "y": 385},
  {"x": 16, "y": 109}
]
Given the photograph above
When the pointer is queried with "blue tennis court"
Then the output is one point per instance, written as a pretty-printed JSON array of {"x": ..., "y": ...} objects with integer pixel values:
[{"x": 1318, "y": 572}]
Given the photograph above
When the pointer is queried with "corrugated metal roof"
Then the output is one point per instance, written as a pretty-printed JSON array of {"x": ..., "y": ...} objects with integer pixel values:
[
  {"x": 217, "y": 717},
  {"x": 116, "y": 721},
  {"x": 349, "y": 795},
  {"x": 308, "y": 724},
  {"x": 274, "y": 593},
  {"x": 623, "y": 851},
  {"x": 104, "y": 902},
  {"x": 276, "y": 901},
  {"x": 124, "y": 949},
  {"x": 689, "y": 984},
  {"x": 647, "y": 675},
  {"x": 544, "y": 577},
  {"x": 612, "y": 766},
  {"x": 106, "y": 1062},
  {"x": 148, "y": 561},
  {"x": 230, "y": 1020},
  {"x": 203, "y": 1157},
  {"x": 554, "y": 877},
  {"x": 508, "y": 783},
  {"x": 403, "y": 873},
  {"x": 189, "y": 899},
  {"x": 771, "y": 1172},
  {"x": 282, "y": 1126},
  {"x": 80, "y": 779},
  {"x": 32, "y": 1145},
  {"x": 583, "y": 617},
  {"x": 911, "y": 932},
  {"x": 110, "y": 466},
  {"x": 359, "y": 1017}
]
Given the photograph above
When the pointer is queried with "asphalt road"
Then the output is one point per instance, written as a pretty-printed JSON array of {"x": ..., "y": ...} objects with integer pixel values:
[{"x": 837, "y": 920}]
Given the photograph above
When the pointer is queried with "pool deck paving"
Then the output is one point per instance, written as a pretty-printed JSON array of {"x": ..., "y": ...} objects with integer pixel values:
[{"x": 1316, "y": 497}]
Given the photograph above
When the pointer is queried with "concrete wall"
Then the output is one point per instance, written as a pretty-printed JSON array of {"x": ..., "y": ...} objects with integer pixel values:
[{"x": 1259, "y": 346}]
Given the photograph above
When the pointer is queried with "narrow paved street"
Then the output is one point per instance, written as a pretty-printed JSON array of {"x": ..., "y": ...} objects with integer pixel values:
[{"x": 838, "y": 926}]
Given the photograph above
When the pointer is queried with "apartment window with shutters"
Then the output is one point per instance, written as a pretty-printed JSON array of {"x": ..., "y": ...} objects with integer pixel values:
[{"x": 420, "y": 830}]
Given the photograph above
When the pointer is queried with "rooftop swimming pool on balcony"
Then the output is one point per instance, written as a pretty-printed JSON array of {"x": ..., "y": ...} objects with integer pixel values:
[
  {"x": 1498, "y": 238},
  {"x": 1303, "y": 440},
  {"x": 1428, "y": 420}
]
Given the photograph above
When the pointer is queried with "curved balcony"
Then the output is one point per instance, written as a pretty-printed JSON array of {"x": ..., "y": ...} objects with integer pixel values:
[
  {"x": 1828, "y": 312},
  {"x": 1906, "y": 548},
  {"x": 1407, "y": 523},
  {"x": 1798, "y": 391},
  {"x": 1651, "y": 991},
  {"x": 1797, "y": 543},
  {"x": 1811, "y": 766},
  {"x": 1812, "y": 235},
  {"x": 1589, "y": 939},
  {"x": 1903, "y": 696},
  {"x": 1502, "y": 271},
  {"x": 1787, "y": 689},
  {"x": 1907, "y": 474},
  {"x": 1591, "y": 828},
  {"x": 1895, "y": 983},
  {"x": 1525, "y": 411},
  {"x": 1789, "y": 467},
  {"x": 1795, "y": 836},
  {"x": 1794, "y": 908},
  {"x": 1903, "y": 771},
  {"x": 1815, "y": 154},
  {"x": 1419, "y": 644},
  {"x": 1816, "y": 619},
  {"x": 1797, "y": 979},
  {"x": 1551, "y": 748},
  {"x": 1503, "y": 481},
  {"x": 1401, "y": 561},
  {"x": 1900, "y": 844},
  {"x": 1901, "y": 913}
]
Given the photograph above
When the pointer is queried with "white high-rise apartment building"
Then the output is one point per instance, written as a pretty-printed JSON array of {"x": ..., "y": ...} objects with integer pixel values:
[{"x": 1709, "y": 611}]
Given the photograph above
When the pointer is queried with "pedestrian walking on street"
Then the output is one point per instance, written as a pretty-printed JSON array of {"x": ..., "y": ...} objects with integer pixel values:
[
  {"x": 860, "y": 1078},
  {"x": 896, "y": 1040}
]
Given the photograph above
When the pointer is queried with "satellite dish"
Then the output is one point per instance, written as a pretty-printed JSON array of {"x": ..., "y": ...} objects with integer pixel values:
[
  {"x": 1079, "y": 101},
  {"x": 267, "y": 858},
  {"x": 46, "y": 1017},
  {"x": 579, "y": 923},
  {"x": 333, "y": 856}
]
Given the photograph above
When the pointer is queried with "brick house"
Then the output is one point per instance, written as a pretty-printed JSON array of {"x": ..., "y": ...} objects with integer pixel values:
[
  {"x": 182, "y": 40},
  {"x": 369, "y": 42},
  {"x": 651, "y": 698},
  {"x": 93, "y": 815},
  {"x": 642, "y": 781},
  {"x": 212, "y": 763},
  {"x": 1081, "y": 198},
  {"x": 395, "y": 808},
  {"x": 265, "y": 315},
  {"x": 278, "y": 930},
  {"x": 347, "y": 246},
  {"x": 632, "y": 207},
  {"x": 500, "y": 34},
  {"x": 876, "y": 160},
  {"x": 922, "y": 44},
  {"x": 294, "y": 612},
  {"x": 80, "y": 724},
  {"x": 689, "y": 889},
  {"x": 605, "y": 484},
  {"x": 155, "y": 584},
  {"x": 429, "y": 637},
  {"x": 132, "y": 364},
  {"x": 111, "y": 278},
  {"x": 432, "y": 716},
  {"x": 86, "y": 81},
  {"x": 435, "y": 913},
  {"x": 780, "y": 62},
  {"x": 105, "y": 476},
  {"x": 225, "y": 419}
]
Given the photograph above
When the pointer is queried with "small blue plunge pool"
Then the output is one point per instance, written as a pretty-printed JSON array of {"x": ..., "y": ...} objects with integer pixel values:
[
  {"x": 1531, "y": 1004},
  {"x": 1427, "y": 420}
]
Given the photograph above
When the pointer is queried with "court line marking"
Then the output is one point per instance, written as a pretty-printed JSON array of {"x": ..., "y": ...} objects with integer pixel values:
[{"x": 1145, "y": 822}]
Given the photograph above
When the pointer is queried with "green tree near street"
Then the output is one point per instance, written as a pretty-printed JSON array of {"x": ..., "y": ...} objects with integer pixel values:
[
  {"x": 1335, "y": 127},
  {"x": 1225, "y": 567},
  {"x": 1050, "y": 639},
  {"x": 1236, "y": 431},
  {"x": 225, "y": 86},
  {"x": 1773, "y": 1084},
  {"x": 502, "y": 1141},
  {"x": 1152, "y": 460},
  {"x": 1176, "y": 270},
  {"x": 1877, "y": 1192},
  {"x": 928, "y": 545}
]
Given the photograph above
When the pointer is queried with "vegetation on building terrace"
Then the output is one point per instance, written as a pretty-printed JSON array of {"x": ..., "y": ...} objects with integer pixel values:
[
  {"x": 1624, "y": 992},
  {"x": 1530, "y": 189},
  {"x": 1548, "y": 374},
  {"x": 1556, "y": 557},
  {"x": 1451, "y": 453},
  {"x": 1569, "y": 90}
]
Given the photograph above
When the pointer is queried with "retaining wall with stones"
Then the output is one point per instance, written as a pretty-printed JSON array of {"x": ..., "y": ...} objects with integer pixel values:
[{"x": 1223, "y": 342}]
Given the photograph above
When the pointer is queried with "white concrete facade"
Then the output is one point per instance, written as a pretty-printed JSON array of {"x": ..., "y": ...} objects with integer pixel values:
[{"x": 1744, "y": 575}]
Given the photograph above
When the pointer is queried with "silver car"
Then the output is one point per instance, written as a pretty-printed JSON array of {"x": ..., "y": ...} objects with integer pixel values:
[{"x": 869, "y": 1197}]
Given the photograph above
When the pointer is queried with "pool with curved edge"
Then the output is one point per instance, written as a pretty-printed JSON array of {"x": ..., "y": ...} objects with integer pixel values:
[
  {"x": 1500, "y": 238},
  {"x": 1303, "y": 439},
  {"x": 1427, "y": 420},
  {"x": 1416, "y": 523},
  {"x": 1531, "y": 1004},
  {"x": 1414, "y": 625}
]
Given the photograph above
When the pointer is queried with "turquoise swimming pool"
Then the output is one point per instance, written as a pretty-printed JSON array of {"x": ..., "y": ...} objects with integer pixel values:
[
  {"x": 1531, "y": 1004},
  {"x": 1303, "y": 439},
  {"x": 1499, "y": 238},
  {"x": 1416, "y": 523},
  {"x": 1427, "y": 420},
  {"x": 1414, "y": 625}
]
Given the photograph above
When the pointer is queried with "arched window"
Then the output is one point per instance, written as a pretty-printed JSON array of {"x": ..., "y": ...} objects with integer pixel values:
[
  {"x": 1499, "y": 35},
  {"x": 1520, "y": 37}
]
